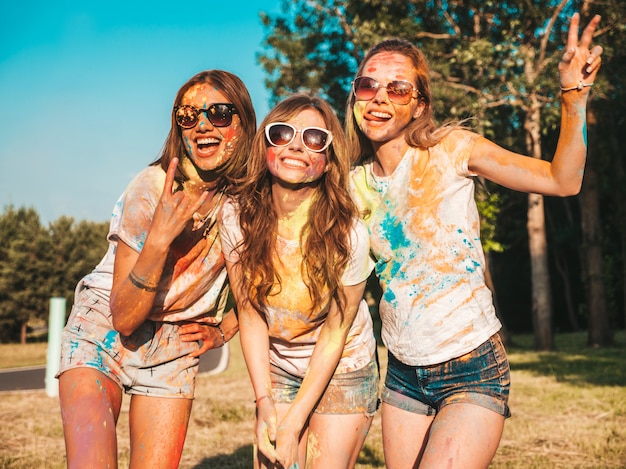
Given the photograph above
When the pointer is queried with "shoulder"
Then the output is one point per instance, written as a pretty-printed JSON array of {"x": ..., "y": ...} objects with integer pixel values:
[{"x": 148, "y": 181}]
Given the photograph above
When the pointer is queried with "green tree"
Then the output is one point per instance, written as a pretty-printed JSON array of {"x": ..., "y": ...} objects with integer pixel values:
[
  {"x": 495, "y": 61},
  {"x": 22, "y": 271},
  {"x": 37, "y": 263}
]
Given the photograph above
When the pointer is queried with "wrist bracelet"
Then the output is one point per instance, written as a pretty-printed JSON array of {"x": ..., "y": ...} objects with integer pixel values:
[
  {"x": 578, "y": 87},
  {"x": 256, "y": 401},
  {"x": 139, "y": 284},
  {"x": 219, "y": 328}
]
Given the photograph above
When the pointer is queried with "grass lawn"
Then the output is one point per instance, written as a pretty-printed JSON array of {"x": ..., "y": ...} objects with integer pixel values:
[{"x": 569, "y": 411}]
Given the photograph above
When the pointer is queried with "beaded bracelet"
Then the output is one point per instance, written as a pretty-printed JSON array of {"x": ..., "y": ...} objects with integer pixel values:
[
  {"x": 578, "y": 87},
  {"x": 139, "y": 284},
  {"x": 219, "y": 328}
]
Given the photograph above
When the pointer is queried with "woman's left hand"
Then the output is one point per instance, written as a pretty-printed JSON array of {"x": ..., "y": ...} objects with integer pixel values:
[
  {"x": 210, "y": 336},
  {"x": 580, "y": 63}
]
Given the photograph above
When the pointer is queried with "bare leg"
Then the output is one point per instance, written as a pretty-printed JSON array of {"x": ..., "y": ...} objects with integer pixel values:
[
  {"x": 464, "y": 436},
  {"x": 404, "y": 436},
  {"x": 335, "y": 440},
  {"x": 158, "y": 427},
  {"x": 90, "y": 406}
]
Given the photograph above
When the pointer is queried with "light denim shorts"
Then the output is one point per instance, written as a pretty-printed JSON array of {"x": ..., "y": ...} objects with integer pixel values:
[
  {"x": 355, "y": 392},
  {"x": 480, "y": 377},
  {"x": 150, "y": 362}
]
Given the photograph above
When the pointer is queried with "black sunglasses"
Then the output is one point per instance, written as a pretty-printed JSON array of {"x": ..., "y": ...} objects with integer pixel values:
[
  {"x": 399, "y": 91},
  {"x": 219, "y": 114},
  {"x": 280, "y": 134}
]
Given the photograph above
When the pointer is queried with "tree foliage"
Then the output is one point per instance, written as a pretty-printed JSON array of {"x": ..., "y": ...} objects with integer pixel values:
[
  {"x": 495, "y": 62},
  {"x": 37, "y": 263}
]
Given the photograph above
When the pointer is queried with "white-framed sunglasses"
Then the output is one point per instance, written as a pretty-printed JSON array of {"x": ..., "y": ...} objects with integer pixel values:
[{"x": 281, "y": 134}]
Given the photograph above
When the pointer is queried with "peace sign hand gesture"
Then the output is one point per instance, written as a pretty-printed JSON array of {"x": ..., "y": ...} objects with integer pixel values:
[{"x": 580, "y": 64}]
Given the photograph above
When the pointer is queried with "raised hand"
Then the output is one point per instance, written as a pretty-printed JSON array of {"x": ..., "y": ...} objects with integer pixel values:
[
  {"x": 580, "y": 63},
  {"x": 174, "y": 209}
]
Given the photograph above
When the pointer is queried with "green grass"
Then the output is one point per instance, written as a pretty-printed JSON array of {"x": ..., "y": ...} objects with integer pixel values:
[{"x": 568, "y": 406}]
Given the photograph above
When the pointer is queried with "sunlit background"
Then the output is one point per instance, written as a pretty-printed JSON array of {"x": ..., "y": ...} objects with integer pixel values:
[{"x": 86, "y": 89}]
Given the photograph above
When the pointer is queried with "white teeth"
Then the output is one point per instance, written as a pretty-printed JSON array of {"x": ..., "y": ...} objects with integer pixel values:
[
  {"x": 207, "y": 141},
  {"x": 292, "y": 162},
  {"x": 382, "y": 115}
]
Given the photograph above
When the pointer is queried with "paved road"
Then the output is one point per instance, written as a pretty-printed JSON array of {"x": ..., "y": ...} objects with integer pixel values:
[{"x": 33, "y": 377}]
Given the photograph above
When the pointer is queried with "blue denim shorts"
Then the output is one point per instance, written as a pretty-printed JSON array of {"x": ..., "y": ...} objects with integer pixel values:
[
  {"x": 355, "y": 392},
  {"x": 480, "y": 377}
]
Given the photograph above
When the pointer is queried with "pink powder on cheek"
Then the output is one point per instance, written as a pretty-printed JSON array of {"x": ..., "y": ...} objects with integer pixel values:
[
  {"x": 318, "y": 163},
  {"x": 272, "y": 156}
]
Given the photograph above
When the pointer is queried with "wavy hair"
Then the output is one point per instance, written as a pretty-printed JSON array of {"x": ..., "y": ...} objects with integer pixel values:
[
  {"x": 422, "y": 132},
  {"x": 236, "y": 92},
  {"x": 324, "y": 240}
]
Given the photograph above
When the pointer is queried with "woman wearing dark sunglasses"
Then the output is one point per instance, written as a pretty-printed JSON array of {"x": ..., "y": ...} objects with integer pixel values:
[
  {"x": 446, "y": 391},
  {"x": 156, "y": 301},
  {"x": 298, "y": 258}
]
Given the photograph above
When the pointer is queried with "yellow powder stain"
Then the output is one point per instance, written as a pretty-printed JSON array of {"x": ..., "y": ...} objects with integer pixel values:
[{"x": 313, "y": 450}]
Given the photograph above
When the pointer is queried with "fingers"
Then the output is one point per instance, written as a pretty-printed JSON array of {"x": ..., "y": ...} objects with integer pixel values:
[
  {"x": 595, "y": 59},
  {"x": 572, "y": 35},
  {"x": 587, "y": 36},
  {"x": 169, "y": 176}
]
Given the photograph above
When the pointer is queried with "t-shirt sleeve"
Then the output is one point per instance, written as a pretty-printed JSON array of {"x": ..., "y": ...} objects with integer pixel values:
[
  {"x": 137, "y": 205},
  {"x": 361, "y": 263},
  {"x": 230, "y": 230},
  {"x": 461, "y": 143}
]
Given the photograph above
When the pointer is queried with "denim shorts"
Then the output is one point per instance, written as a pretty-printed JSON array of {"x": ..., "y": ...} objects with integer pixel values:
[
  {"x": 152, "y": 361},
  {"x": 480, "y": 377},
  {"x": 355, "y": 392}
]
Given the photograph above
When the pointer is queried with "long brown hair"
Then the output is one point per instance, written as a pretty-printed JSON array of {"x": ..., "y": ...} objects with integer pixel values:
[
  {"x": 422, "y": 132},
  {"x": 325, "y": 239},
  {"x": 236, "y": 92}
]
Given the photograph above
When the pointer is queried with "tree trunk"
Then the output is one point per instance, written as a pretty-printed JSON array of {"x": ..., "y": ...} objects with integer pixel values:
[
  {"x": 536, "y": 225},
  {"x": 23, "y": 330},
  {"x": 599, "y": 331},
  {"x": 505, "y": 335}
]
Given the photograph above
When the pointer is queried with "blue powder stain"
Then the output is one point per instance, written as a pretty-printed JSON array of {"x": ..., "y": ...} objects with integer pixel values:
[
  {"x": 109, "y": 339},
  {"x": 394, "y": 232},
  {"x": 389, "y": 296}
]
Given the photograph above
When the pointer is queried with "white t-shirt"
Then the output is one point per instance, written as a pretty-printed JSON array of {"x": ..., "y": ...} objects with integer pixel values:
[
  {"x": 193, "y": 285},
  {"x": 293, "y": 329},
  {"x": 425, "y": 234}
]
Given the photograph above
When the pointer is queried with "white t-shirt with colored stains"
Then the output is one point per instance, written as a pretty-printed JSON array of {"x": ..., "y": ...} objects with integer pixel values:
[
  {"x": 425, "y": 235},
  {"x": 293, "y": 329},
  {"x": 193, "y": 285}
]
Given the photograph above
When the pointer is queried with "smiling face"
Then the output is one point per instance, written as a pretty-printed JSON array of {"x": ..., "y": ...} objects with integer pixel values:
[
  {"x": 294, "y": 163},
  {"x": 380, "y": 119},
  {"x": 208, "y": 146}
]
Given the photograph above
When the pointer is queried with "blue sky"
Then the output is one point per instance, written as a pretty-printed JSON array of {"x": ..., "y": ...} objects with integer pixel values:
[{"x": 86, "y": 89}]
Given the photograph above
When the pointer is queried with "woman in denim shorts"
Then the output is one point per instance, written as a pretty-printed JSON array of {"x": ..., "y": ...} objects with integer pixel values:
[
  {"x": 298, "y": 259},
  {"x": 156, "y": 301},
  {"x": 445, "y": 398}
]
